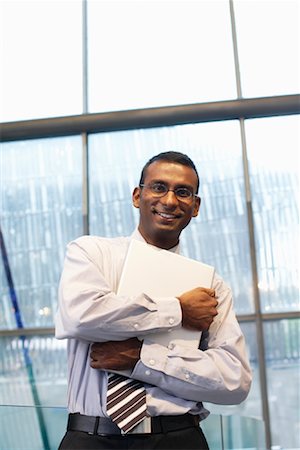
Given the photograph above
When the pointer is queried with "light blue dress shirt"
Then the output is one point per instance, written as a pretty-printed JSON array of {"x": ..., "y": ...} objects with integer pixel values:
[{"x": 177, "y": 379}]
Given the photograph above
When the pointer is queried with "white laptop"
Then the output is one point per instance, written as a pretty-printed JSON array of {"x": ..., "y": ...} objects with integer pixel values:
[{"x": 161, "y": 273}]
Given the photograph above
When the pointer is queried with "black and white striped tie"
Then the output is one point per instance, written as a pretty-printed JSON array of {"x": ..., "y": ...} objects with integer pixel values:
[{"x": 126, "y": 401}]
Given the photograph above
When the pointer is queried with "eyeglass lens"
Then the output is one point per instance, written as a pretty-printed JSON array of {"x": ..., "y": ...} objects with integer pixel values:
[{"x": 160, "y": 189}]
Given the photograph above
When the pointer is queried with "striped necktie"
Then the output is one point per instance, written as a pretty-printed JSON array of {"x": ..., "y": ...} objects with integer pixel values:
[{"x": 126, "y": 401}]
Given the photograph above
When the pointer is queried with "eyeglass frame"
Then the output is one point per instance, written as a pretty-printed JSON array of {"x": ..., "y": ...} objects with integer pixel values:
[{"x": 181, "y": 199}]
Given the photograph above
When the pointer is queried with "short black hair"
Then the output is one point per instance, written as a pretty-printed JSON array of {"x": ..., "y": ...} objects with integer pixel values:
[{"x": 174, "y": 157}]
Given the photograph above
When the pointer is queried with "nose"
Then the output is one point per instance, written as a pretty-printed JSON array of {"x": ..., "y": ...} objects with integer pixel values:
[{"x": 169, "y": 198}]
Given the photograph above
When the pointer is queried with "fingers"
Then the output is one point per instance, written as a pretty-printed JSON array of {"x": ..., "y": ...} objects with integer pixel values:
[
  {"x": 94, "y": 355},
  {"x": 210, "y": 292},
  {"x": 198, "y": 292},
  {"x": 94, "y": 365},
  {"x": 214, "y": 304},
  {"x": 199, "y": 307},
  {"x": 115, "y": 355}
]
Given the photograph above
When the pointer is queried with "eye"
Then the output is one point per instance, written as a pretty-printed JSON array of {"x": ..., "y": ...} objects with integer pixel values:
[
  {"x": 183, "y": 192},
  {"x": 158, "y": 188}
]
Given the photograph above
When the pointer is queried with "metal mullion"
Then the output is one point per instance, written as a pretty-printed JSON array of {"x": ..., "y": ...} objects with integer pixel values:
[
  {"x": 151, "y": 117},
  {"x": 257, "y": 308},
  {"x": 235, "y": 51},
  {"x": 84, "y": 137},
  {"x": 269, "y": 316},
  {"x": 252, "y": 245},
  {"x": 42, "y": 331},
  {"x": 84, "y": 58},
  {"x": 39, "y": 331},
  {"x": 85, "y": 184},
  {"x": 281, "y": 316}
]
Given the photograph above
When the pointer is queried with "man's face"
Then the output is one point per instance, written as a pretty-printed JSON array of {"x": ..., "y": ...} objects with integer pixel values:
[{"x": 163, "y": 218}]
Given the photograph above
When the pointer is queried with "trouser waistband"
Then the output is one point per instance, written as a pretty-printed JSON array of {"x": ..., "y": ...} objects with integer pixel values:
[{"x": 104, "y": 425}]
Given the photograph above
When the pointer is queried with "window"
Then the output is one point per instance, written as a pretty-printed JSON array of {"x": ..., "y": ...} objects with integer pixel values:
[
  {"x": 41, "y": 212},
  {"x": 282, "y": 359},
  {"x": 268, "y": 43},
  {"x": 140, "y": 54},
  {"x": 41, "y": 59},
  {"x": 145, "y": 53},
  {"x": 273, "y": 146}
]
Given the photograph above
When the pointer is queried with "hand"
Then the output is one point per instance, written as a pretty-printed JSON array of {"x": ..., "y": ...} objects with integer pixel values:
[
  {"x": 199, "y": 307},
  {"x": 115, "y": 355}
]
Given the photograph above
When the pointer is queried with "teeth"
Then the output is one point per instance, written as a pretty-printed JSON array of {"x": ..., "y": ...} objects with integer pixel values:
[{"x": 166, "y": 216}]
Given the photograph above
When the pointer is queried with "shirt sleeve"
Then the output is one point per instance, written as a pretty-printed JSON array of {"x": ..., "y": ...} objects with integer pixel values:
[
  {"x": 221, "y": 374},
  {"x": 89, "y": 309}
]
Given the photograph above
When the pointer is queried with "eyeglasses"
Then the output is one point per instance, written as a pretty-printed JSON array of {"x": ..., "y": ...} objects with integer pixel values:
[{"x": 160, "y": 189}]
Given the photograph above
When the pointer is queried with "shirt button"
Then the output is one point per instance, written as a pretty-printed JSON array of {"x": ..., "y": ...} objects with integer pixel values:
[
  {"x": 136, "y": 325},
  {"x": 187, "y": 376},
  {"x": 148, "y": 372},
  {"x": 171, "y": 346},
  {"x": 171, "y": 321},
  {"x": 151, "y": 362}
]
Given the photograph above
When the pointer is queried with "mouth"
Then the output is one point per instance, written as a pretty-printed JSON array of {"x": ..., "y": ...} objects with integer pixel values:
[{"x": 166, "y": 216}]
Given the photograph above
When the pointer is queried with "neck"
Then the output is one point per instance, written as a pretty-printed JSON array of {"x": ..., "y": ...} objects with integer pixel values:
[{"x": 164, "y": 242}]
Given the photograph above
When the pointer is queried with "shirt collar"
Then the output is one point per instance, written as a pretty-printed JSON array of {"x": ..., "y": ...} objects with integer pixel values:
[{"x": 137, "y": 235}]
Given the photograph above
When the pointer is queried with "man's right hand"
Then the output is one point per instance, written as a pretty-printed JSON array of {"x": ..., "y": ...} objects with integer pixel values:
[{"x": 199, "y": 307}]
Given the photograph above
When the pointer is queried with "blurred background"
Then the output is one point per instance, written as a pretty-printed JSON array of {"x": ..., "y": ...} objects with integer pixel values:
[{"x": 90, "y": 90}]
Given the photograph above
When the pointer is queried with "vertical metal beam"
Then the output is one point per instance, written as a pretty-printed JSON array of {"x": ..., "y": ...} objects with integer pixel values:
[
  {"x": 258, "y": 315},
  {"x": 84, "y": 58},
  {"x": 235, "y": 51},
  {"x": 85, "y": 159},
  {"x": 222, "y": 432},
  {"x": 85, "y": 183},
  {"x": 252, "y": 244}
]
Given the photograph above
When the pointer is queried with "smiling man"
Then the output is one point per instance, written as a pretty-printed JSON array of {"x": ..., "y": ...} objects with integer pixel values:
[
  {"x": 167, "y": 384},
  {"x": 167, "y": 200}
]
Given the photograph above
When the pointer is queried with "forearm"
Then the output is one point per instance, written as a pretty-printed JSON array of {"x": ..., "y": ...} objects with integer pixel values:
[
  {"x": 109, "y": 318},
  {"x": 90, "y": 310},
  {"x": 217, "y": 375},
  {"x": 221, "y": 374}
]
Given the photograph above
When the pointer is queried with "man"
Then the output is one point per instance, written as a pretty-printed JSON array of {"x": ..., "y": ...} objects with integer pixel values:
[{"x": 177, "y": 380}]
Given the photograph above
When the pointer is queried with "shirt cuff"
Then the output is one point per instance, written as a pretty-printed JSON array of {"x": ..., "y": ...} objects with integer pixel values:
[
  {"x": 169, "y": 312},
  {"x": 152, "y": 362}
]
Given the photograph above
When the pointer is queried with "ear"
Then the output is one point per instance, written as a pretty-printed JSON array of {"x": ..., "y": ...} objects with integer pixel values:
[
  {"x": 136, "y": 197},
  {"x": 196, "y": 206}
]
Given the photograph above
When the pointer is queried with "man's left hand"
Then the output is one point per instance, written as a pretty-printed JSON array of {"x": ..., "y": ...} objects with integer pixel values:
[{"x": 115, "y": 355}]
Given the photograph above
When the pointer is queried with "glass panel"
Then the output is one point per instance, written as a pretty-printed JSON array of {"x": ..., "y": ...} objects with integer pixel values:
[
  {"x": 23, "y": 362},
  {"x": 41, "y": 212},
  {"x": 282, "y": 339},
  {"x": 146, "y": 53},
  {"x": 24, "y": 428},
  {"x": 273, "y": 152},
  {"x": 269, "y": 57},
  {"x": 252, "y": 406},
  {"x": 36, "y": 368},
  {"x": 242, "y": 433},
  {"x": 41, "y": 61},
  {"x": 21, "y": 429},
  {"x": 219, "y": 236},
  {"x": 233, "y": 432}
]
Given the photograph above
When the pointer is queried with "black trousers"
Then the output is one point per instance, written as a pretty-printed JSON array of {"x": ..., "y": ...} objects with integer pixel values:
[{"x": 186, "y": 439}]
